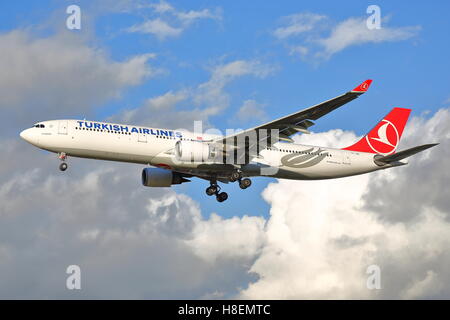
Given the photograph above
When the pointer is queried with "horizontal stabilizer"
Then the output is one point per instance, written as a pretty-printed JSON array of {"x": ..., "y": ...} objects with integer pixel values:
[{"x": 403, "y": 154}]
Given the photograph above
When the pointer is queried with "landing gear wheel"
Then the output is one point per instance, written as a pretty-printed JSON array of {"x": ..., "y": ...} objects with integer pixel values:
[
  {"x": 245, "y": 183},
  {"x": 63, "y": 166},
  {"x": 211, "y": 190},
  {"x": 235, "y": 175},
  {"x": 221, "y": 197}
]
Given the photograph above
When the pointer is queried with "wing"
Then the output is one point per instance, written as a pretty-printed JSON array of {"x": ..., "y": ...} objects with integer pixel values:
[{"x": 300, "y": 121}]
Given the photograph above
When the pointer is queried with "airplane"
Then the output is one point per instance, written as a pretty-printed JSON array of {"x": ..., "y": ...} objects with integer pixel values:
[{"x": 174, "y": 156}]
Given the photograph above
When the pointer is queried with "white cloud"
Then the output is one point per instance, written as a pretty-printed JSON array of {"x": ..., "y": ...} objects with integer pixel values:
[
  {"x": 162, "y": 7},
  {"x": 169, "y": 22},
  {"x": 312, "y": 35},
  {"x": 192, "y": 15},
  {"x": 251, "y": 111},
  {"x": 167, "y": 101},
  {"x": 211, "y": 92},
  {"x": 354, "y": 31},
  {"x": 218, "y": 238},
  {"x": 299, "y": 50},
  {"x": 157, "y": 27},
  {"x": 226, "y": 72},
  {"x": 298, "y": 23}
]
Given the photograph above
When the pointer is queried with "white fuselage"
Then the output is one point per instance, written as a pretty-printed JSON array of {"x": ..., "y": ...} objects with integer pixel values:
[{"x": 151, "y": 146}]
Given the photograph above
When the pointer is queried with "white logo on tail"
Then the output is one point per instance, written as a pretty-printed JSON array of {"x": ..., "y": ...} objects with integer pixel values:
[{"x": 383, "y": 137}]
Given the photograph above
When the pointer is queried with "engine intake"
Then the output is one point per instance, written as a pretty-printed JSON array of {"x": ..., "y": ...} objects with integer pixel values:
[
  {"x": 194, "y": 151},
  {"x": 157, "y": 177}
]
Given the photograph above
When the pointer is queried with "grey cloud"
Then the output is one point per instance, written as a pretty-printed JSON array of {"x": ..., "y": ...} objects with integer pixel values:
[
  {"x": 60, "y": 76},
  {"x": 396, "y": 219},
  {"x": 130, "y": 241},
  {"x": 346, "y": 241}
]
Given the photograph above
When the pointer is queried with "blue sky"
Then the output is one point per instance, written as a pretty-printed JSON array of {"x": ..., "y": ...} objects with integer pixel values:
[{"x": 408, "y": 71}]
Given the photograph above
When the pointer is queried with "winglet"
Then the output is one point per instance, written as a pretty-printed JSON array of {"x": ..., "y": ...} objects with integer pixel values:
[{"x": 363, "y": 87}]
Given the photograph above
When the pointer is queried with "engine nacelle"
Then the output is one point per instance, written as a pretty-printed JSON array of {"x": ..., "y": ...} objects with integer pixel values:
[
  {"x": 157, "y": 177},
  {"x": 194, "y": 151}
]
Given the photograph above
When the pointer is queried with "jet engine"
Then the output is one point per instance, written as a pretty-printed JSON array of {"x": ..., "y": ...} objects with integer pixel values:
[
  {"x": 157, "y": 177},
  {"x": 194, "y": 151}
]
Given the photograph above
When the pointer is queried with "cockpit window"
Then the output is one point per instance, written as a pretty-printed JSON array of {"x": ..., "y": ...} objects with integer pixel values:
[{"x": 39, "y": 125}]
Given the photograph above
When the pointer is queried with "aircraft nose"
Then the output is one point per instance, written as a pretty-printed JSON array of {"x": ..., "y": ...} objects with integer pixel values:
[
  {"x": 28, "y": 136},
  {"x": 25, "y": 134}
]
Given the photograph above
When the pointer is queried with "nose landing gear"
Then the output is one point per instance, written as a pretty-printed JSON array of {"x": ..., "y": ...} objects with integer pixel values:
[{"x": 63, "y": 157}]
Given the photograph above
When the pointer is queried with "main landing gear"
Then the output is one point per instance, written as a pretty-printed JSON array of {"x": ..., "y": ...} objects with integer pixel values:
[
  {"x": 214, "y": 189},
  {"x": 237, "y": 176},
  {"x": 245, "y": 183},
  {"x": 63, "y": 157}
]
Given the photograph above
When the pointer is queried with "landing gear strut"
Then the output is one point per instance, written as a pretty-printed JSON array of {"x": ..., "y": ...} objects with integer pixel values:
[
  {"x": 214, "y": 189},
  {"x": 235, "y": 176},
  {"x": 63, "y": 157}
]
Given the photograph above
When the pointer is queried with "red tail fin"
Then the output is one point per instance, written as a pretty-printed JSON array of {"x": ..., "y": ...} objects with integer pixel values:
[{"x": 385, "y": 136}]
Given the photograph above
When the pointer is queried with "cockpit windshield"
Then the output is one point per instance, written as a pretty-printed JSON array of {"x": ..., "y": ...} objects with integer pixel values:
[{"x": 39, "y": 125}]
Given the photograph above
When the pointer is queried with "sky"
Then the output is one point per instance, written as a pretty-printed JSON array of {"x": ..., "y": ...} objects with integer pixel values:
[{"x": 229, "y": 64}]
